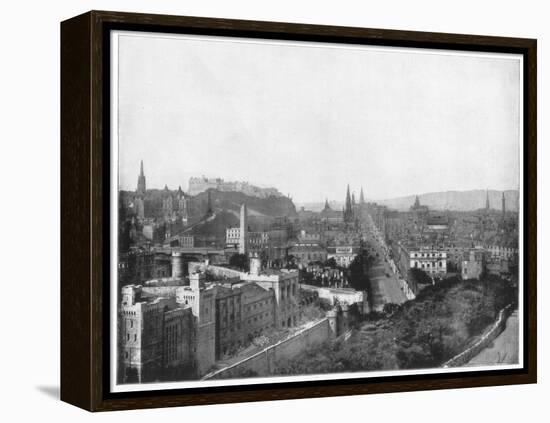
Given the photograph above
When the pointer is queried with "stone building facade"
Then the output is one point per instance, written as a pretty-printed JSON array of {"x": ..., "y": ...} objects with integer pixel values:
[
  {"x": 431, "y": 260},
  {"x": 179, "y": 326},
  {"x": 154, "y": 336},
  {"x": 473, "y": 264}
]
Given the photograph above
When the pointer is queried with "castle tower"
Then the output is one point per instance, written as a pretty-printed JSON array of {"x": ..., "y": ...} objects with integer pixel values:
[
  {"x": 243, "y": 235},
  {"x": 141, "y": 185},
  {"x": 203, "y": 308}
]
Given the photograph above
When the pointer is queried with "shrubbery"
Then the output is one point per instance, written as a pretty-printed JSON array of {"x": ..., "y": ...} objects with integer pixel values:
[{"x": 421, "y": 333}]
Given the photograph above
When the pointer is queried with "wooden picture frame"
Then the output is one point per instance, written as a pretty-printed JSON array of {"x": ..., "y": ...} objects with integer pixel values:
[{"x": 85, "y": 202}]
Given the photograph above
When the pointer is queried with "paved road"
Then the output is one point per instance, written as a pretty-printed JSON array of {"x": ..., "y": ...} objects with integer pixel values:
[
  {"x": 384, "y": 285},
  {"x": 504, "y": 349}
]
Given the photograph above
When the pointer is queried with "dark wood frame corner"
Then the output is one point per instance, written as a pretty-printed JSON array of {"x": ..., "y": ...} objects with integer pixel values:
[{"x": 85, "y": 205}]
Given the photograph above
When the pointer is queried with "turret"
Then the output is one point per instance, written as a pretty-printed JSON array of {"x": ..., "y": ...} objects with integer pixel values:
[
  {"x": 130, "y": 294},
  {"x": 255, "y": 265},
  {"x": 332, "y": 317},
  {"x": 196, "y": 281}
]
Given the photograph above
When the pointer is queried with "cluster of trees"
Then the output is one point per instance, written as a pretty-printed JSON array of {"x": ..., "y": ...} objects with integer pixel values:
[
  {"x": 422, "y": 333},
  {"x": 239, "y": 261}
]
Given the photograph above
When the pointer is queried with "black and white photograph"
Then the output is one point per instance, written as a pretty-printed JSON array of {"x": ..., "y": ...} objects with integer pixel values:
[
  {"x": 296, "y": 211},
  {"x": 275, "y": 212}
]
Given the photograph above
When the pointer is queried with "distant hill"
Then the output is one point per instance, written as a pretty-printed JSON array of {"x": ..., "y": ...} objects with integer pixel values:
[{"x": 457, "y": 200}]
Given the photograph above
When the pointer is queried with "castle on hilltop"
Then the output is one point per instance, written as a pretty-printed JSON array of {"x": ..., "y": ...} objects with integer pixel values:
[{"x": 201, "y": 184}]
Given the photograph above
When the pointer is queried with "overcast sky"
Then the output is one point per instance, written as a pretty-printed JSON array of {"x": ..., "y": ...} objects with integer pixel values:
[{"x": 308, "y": 119}]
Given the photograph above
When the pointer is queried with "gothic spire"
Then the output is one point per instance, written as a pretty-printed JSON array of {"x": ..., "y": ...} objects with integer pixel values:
[
  {"x": 141, "y": 186},
  {"x": 347, "y": 210}
]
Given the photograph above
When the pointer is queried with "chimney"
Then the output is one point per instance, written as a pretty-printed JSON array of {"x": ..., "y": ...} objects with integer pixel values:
[{"x": 177, "y": 265}]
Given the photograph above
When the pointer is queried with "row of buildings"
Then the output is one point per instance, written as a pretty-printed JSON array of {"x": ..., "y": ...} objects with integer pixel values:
[
  {"x": 301, "y": 250},
  {"x": 442, "y": 244}
]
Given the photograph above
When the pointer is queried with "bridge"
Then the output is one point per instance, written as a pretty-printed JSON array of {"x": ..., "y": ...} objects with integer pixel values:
[{"x": 192, "y": 251}]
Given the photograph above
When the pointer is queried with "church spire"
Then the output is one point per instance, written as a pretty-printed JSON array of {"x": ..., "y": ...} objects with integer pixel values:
[
  {"x": 327, "y": 207},
  {"x": 347, "y": 210},
  {"x": 141, "y": 186}
]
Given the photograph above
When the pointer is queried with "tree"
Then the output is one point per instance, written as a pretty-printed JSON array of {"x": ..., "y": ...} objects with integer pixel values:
[
  {"x": 240, "y": 261},
  {"x": 390, "y": 308},
  {"x": 422, "y": 333},
  {"x": 420, "y": 277},
  {"x": 331, "y": 262}
]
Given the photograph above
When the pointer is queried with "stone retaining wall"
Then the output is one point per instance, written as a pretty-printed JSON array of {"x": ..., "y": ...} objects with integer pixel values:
[
  {"x": 263, "y": 362},
  {"x": 489, "y": 336}
]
